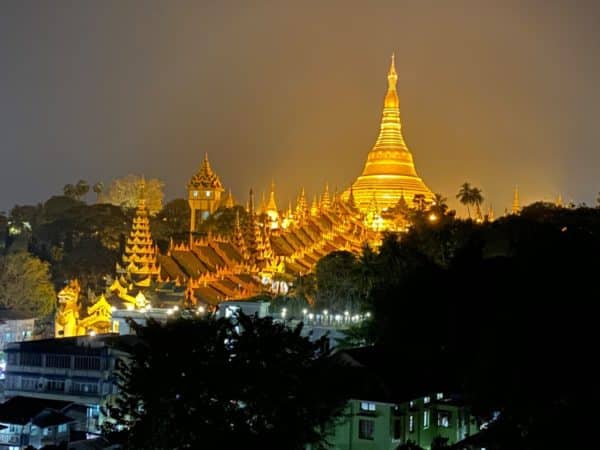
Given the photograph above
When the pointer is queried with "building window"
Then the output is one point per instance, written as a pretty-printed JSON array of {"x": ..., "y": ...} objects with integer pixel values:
[
  {"x": 195, "y": 193},
  {"x": 58, "y": 361},
  {"x": 46, "y": 431},
  {"x": 425, "y": 420},
  {"x": 29, "y": 384},
  {"x": 439, "y": 396},
  {"x": 443, "y": 419},
  {"x": 11, "y": 358},
  {"x": 426, "y": 399},
  {"x": 31, "y": 359},
  {"x": 84, "y": 388},
  {"x": 11, "y": 382},
  {"x": 207, "y": 194},
  {"x": 411, "y": 424},
  {"x": 366, "y": 429},
  {"x": 62, "y": 428},
  {"x": 87, "y": 363},
  {"x": 12, "y": 428},
  {"x": 397, "y": 430},
  {"x": 56, "y": 386},
  {"x": 367, "y": 406},
  {"x": 411, "y": 404}
]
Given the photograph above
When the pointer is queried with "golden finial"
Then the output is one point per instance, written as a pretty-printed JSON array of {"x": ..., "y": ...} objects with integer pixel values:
[
  {"x": 142, "y": 193},
  {"x": 392, "y": 75}
]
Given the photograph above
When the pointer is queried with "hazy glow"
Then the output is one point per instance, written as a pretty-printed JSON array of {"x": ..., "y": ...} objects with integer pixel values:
[{"x": 494, "y": 93}]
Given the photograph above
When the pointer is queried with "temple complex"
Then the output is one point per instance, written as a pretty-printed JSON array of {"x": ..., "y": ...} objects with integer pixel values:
[
  {"x": 265, "y": 245},
  {"x": 389, "y": 173}
]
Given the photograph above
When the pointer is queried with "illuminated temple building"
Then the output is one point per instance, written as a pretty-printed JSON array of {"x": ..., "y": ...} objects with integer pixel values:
[
  {"x": 264, "y": 242},
  {"x": 389, "y": 174}
]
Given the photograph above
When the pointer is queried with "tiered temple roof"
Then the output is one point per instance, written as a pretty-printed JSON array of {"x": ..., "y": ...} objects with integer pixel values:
[{"x": 140, "y": 255}]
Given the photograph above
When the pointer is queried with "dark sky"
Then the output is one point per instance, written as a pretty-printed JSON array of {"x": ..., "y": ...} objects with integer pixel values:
[{"x": 494, "y": 93}]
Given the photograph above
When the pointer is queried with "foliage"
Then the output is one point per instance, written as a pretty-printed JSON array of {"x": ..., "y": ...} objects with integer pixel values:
[
  {"x": 25, "y": 285},
  {"x": 98, "y": 188},
  {"x": 508, "y": 300},
  {"x": 338, "y": 282},
  {"x": 55, "y": 207},
  {"x": 222, "y": 384},
  {"x": 76, "y": 191},
  {"x": 222, "y": 221},
  {"x": 173, "y": 221},
  {"x": 80, "y": 242},
  {"x": 469, "y": 196},
  {"x": 21, "y": 214},
  {"x": 304, "y": 287},
  {"x": 125, "y": 192}
]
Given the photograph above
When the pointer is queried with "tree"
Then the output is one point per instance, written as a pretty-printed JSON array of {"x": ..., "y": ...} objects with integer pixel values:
[
  {"x": 222, "y": 221},
  {"x": 469, "y": 196},
  {"x": 440, "y": 204},
  {"x": 98, "y": 188},
  {"x": 56, "y": 206},
  {"x": 173, "y": 220},
  {"x": 338, "y": 282},
  {"x": 25, "y": 285},
  {"x": 125, "y": 192},
  {"x": 70, "y": 191},
  {"x": 81, "y": 189},
  {"x": 220, "y": 383},
  {"x": 304, "y": 287}
]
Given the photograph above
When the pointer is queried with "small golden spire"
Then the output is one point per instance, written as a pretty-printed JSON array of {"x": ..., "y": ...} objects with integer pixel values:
[
  {"x": 559, "y": 201},
  {"x": 516, "y": 205},
  {"x": 142, "y": 194}
]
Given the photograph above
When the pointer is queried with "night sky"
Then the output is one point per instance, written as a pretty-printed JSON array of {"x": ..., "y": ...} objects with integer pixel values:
[{"x": 494, "y": 93}]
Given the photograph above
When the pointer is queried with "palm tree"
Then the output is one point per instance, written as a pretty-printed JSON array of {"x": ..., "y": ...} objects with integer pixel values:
[
  {"x": 476, "y": 196},
  {"x": 470, "y": 196},
  {"x": 440, "y": 203},
  {"x": 464, "y": 196}
]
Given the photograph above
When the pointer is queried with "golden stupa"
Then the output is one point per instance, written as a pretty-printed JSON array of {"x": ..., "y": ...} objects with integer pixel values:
[{"x": 389, "y": 173}]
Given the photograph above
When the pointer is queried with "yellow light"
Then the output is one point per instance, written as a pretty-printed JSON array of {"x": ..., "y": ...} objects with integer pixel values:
[{"x": 433, "y": 217}]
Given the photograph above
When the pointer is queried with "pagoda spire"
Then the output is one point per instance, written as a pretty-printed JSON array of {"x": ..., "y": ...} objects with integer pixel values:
[
  {"x": 516, "y": 205},
  {"x": 314, "y": 209},
  {"x": 139, "y": 258},
  {"x": 251, "y": 209},
  {"x": 238, "y": 236},
  {"x": 389, "y": 168},
  {"x": 559, "y": 201},
  {"x": 301, "y": 206},
  {"x": 272, "y": 205},
  {"x": 325, "y": 198},
  {"x": 390, "y": 134}
]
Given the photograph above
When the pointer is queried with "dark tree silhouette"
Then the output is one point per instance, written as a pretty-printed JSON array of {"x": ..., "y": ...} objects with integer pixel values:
[{"x": 248, "y": 383}]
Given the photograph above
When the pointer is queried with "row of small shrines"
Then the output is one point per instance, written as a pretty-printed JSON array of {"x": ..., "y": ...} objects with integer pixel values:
[{"x": 207, "y": 270}]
